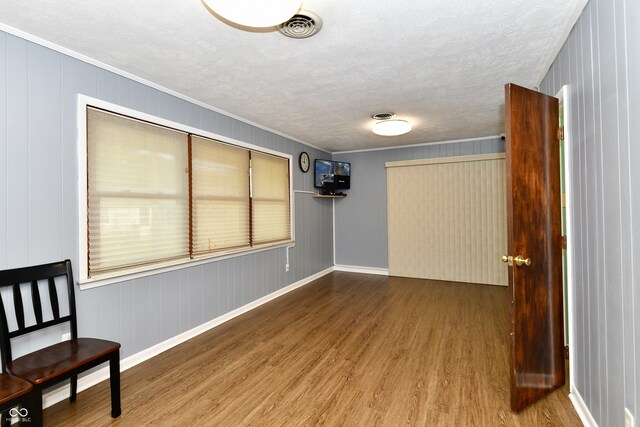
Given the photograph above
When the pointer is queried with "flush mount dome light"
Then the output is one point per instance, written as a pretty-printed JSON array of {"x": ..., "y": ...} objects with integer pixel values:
[
  {"x": 388, "y": 126},
  {"x": 255, "y": 13}
]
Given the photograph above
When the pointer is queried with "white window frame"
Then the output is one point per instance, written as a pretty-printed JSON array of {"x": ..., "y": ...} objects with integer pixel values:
[{"x": 82, "y": 276}]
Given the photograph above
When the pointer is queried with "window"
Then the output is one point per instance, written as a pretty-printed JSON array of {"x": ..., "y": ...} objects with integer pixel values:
[
  {"x": 138, "y": 204},
  {"x": 270, "y": 198},
  {"x": 220, "y": 196},
  {"x": 158, "y": 195}
]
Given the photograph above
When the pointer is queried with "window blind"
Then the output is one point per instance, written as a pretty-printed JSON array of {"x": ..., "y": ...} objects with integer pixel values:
[
  {"x": 220, "y": 195},
  {"x": 157, "y": 194},
  {"x": 270, "y": 196},
  {"x": 137, "y": 192}
]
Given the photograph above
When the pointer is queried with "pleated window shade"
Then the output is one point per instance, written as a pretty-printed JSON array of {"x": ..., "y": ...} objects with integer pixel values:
[
  {"x": 220, "y": 196},
  {"x": 156, "y": 195},
  {"x": 138, "y": 199},
  {"x": 270, "y": 194}
]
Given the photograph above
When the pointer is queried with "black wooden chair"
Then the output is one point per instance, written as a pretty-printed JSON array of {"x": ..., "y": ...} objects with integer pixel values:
[
  {"x": 15, "y": 399},
  {"x": 58, "y": 362}
]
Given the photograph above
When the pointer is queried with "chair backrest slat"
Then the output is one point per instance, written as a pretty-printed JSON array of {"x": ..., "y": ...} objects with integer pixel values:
[
  {"x": 5, "y": 347},
  {"x": 37, "y": 327},
  {"x": 19, "y": 305},
  {"x": 32, "y": 275},
  {"x": 53, "y": 295},
  {"x": 37, "y": 304}
]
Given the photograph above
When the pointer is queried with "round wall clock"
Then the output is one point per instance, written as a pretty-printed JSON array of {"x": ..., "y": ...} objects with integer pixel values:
[{"x": 304, "y": 162}]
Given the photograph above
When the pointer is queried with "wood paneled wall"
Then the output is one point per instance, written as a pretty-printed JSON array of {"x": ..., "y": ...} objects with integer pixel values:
[
  {"x": 38, "y": 202},
  {"x": 361, "y": 218},
  {"x": 600, "y": 61}
]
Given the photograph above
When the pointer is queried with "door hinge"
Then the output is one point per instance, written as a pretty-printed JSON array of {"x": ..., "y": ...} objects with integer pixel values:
[
  {"x": 561, "y": 134},
  {"x": 564, "y": 242}
]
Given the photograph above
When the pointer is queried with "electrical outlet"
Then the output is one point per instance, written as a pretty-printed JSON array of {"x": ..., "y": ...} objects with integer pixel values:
[
  {"x": 286, "y": 267},
  {"x": 66, "y": 337},
  {"x": 628, "y": 418}
]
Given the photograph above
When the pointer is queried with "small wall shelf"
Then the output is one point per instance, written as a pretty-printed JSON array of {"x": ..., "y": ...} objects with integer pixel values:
[{"x": 322, "y": 196}]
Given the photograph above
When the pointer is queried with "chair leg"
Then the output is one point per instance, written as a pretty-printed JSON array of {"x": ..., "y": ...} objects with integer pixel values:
[
  {"x": 34, "y": 404},
  {"x": 6, "y": 419},
  {"x": 114, "y": 380},
  {"x": 74, "y": 388}
]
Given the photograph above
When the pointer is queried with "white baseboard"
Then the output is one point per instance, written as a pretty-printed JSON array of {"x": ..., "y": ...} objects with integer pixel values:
[
  {"x": 62, "y": 393},
  {"x": 581, "y": 408},
  {"x": 363, "y": 270}
]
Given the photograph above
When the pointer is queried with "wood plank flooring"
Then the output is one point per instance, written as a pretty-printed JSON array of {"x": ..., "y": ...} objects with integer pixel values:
[{"x": 347, "y": 349}]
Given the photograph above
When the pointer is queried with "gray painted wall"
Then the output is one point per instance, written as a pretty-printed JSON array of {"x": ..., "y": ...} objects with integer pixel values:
[
  {"x": 361, "y": 218},
  {"x": 600, "y": 61},
  {"x": 38, "y": 202}
]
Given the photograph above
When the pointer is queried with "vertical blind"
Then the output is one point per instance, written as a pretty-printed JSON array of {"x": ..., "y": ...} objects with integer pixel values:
[
  {"x": 156, "y": 194},
  {"x": 220, "y": 195},
  {"x": 447, "y": 218},
  {"x": 138, "y": 206}
]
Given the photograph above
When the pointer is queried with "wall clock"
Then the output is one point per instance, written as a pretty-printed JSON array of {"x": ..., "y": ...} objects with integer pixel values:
[{"x": 304, "y": 162}]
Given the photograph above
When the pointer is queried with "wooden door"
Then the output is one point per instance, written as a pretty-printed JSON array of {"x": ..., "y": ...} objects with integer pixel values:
[{"x": 534, "y": 234}]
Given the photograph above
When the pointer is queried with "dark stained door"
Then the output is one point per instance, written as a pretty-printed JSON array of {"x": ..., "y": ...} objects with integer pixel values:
[{"x": 534, "y": 235}]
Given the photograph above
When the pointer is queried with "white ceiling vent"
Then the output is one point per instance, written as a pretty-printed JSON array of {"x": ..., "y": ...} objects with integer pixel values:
[
  {"x": 383, "y": 116},
  {"x": 302, "y": 25}
]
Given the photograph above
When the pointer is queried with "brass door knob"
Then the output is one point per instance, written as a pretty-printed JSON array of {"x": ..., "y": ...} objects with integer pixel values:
[{"x": 519, "y": 260}]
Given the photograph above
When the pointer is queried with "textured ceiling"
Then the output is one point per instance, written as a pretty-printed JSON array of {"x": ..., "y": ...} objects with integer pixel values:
[{"x": 440, "y": 64}]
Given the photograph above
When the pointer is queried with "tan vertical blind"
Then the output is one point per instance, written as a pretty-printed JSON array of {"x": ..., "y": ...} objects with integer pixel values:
[
  {"x": 220, "y": 195},
  {"x": 137, "y": 192},
  {"x": 270, "y": 194},
  {"x": 447, "y": 219}
]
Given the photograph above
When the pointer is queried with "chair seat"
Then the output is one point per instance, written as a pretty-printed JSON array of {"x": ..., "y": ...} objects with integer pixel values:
[
  {"x": 50, "y": 362},
  {"x": 11, "y": 388}
]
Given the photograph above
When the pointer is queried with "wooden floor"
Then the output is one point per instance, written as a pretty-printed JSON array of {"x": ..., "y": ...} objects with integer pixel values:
[{"x": 348, "y": 349}]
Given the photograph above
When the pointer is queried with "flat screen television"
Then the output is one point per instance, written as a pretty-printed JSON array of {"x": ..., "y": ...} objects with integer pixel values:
[{"x": 332, "y": 175}]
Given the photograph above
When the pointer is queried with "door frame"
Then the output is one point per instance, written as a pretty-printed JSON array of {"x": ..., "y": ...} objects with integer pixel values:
[{"x": 564, "y": 95}]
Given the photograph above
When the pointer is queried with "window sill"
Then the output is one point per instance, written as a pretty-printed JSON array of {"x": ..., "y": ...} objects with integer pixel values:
[{"x": 136, "y": 273}]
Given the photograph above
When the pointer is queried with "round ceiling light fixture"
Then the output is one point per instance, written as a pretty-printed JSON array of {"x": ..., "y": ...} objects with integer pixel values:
[
  {"x": 388, "y": 126},
  {"x": 255, "y": 13}
]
